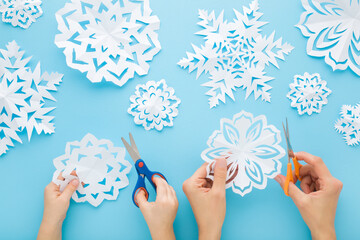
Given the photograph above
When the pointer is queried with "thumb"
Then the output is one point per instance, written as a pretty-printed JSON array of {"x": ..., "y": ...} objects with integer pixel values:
[
  {"x": 141, "y": 199},
  {"x": 220, "y": 173},
  {"x": 294, "y": 192},
  {"x": 70, "y": 189}
]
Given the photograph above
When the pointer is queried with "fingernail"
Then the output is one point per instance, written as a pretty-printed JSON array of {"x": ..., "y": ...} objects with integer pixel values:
[
  {"x": 221, "y": 163},
  {"x": 277, "y": 178},
  {"x": 75, "y": 182}
]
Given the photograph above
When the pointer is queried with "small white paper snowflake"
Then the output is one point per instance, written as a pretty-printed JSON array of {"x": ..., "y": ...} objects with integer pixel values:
[
  {"x": 235, "y": 55},
  {"x": 349, "y": 124},
  {"x": 100, "y": 167},
  {"x": 110, "y": 40},
  {"x": 308, "y": 93},
  {"x": 154, "y": 105},
  {"x": 23, "y": 97},
  {"x": 252, "y": 149},
  {"x": 20, "y": 13},
  {"x": 333, "y": 29}
]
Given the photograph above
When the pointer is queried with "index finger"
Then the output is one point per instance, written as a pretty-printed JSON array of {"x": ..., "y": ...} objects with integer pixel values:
[
  {"x": 201, "y": 172},
  {"x": 161, "y": 187},
  {"x": 317, "y": 163}
]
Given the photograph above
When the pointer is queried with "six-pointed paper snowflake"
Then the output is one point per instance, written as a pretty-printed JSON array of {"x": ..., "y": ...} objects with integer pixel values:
[
  {"x": 110, "y": 40},
  {"x": 20, "y": 13},
  {"x": 349, "y": 124},
  {"x": 99, "y": 166},
  {"x": 23, "y": 94},
  {"x": 252, "y": 149},
  {"x": 333, "y": 29},
  {"x": 154, "y": 105},
  {"x": 308, "y": 93},
  {"x": 235, "y": 54}
]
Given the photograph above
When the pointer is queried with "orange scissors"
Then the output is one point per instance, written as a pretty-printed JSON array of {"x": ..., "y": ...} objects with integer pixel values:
[{"x": 291, "y": 155}]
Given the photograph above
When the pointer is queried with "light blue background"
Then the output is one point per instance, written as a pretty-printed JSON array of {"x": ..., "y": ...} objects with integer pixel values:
[{"x": 101, "y": 109}]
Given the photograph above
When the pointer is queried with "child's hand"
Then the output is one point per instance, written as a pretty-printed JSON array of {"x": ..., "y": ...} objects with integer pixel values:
[
  {"x": 160, "y": 215},
  {"x": 208, "y": 200},
  {"x": 56, "y": 205},
  {"x": 319, "y": 196}
]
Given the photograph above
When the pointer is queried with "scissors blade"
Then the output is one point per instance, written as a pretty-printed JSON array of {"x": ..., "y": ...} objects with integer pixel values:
[
  {"x": 288, "y": 144},
  {"x": 133, "y": 144},
  {"x": 133, "y": 154}
]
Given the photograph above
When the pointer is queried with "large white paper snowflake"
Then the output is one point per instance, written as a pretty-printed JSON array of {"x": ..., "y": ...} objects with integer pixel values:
[
  {"x": 99, "y": 166},
  {"x": 252, "y": 149},
  {"x": 235, "y": 55},
  {"x": 154, "y": 105},
  {"x": 20, "y": 13},
  {"x": 110, "y": 40},
  {"x": 333, "y": 29},
  {"x": 308, "y": 93},
  {"x": 23, "y": 97},
  {"x": 349, "y": 124}
]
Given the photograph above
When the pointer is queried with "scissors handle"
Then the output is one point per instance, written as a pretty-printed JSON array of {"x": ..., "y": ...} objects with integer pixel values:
[
  {"x": 143, "y": 171},
  {"x": 289, "y": 178},
  {"x": 297, "y": 168}
]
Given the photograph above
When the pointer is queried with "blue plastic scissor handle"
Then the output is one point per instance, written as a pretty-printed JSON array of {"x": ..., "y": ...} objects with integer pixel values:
[{"x": 142, "y": 169}]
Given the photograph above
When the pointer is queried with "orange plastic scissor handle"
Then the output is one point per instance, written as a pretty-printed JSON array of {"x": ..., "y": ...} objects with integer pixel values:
[
  {"x": 297, "y": 168},
  {"x": 289, "y": 178}
]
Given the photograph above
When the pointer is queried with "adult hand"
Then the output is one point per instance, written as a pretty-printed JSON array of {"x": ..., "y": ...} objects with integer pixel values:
[
  {"x": 318, "y": 199},
  {"x": 208, "y": 200}
]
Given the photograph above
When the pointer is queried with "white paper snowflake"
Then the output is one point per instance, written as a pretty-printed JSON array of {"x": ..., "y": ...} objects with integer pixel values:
[
  {"x": 252, "y": 149},
  {"x": 235, "y": 55},
  {"x": 20, "y": 13},
  {"x": 333, "y": 29},
  {"x": 110, "y": 40},
  {"x": 349, "y": 124},
  {"x": 154, "y": 105},
  {"x": 308, "y": 93},
  {"x": 99, "y": 166},
  {"x": 23, "y": 97}
]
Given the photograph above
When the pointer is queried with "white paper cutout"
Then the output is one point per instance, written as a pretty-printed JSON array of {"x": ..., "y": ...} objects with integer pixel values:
[
  {"x": 333, "y": 29},
  {"x": 99, "y": 166},
  {"x": 235, "y": 55},
  {"x": 252, "y": 149},
  {"x": 23, "y": 96},
  {"x": 308, "y": 93},
  {"x": 154, "y": 105},
  {"x": 108, "y": 39},
  {"x": 20, "y": 13},
  {"x": 349, "y": 124}
]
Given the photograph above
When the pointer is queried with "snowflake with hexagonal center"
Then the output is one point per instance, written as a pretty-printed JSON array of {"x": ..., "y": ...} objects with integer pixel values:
[
  {"x": 349, "y": 124},
  {"x": 154, "y": 105},
  {"x": 23, "y": 95},
  {"x": 235, "y": 55},
  {"x": 109, "y": 40},
  {"x": 100, "y": 167},
  {"x": 20, "y": 13},
  {"x": 308, "y": 93}
]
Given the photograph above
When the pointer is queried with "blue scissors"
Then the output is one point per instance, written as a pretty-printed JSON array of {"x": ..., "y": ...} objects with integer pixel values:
[{"x": 141, "y": 168}]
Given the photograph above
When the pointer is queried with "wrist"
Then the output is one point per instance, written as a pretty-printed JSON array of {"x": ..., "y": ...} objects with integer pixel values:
[
  {"x": 209, "y": 234},
  {"x": 324, "y": 234},
  {"x": 160, "y": 234}
]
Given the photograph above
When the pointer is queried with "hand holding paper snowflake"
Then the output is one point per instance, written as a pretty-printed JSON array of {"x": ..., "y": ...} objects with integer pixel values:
[
  {"x": 23, "y": 95},
  {"x": 252, "y": 150},
  {"x": 100, "y": 167},
  {"x": 111, "y": 40},
  {"x": 349, "y": 124},
  {"x": 333, "y": 29},
  {"x": 235, "y": 55},
  {"x": 20, "y": 13},
  {"x": 154, "y": 105},
  {"x": 308, "y": 93}
]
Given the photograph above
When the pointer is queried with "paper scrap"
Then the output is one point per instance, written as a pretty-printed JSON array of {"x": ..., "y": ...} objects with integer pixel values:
[
  {"x": 349, "y": 124},
  {"x": 24, "y": 95},
  {"x": 333, "y": 31},
  {"x": 308, "y": 93},
  {"x": 109, "y": 40},
  {"x": 100, "y": 167},
  {"x": 252, "y": 149},
  {"x": 154, "y": 105},
  {"x": 235, "y": 54}
]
